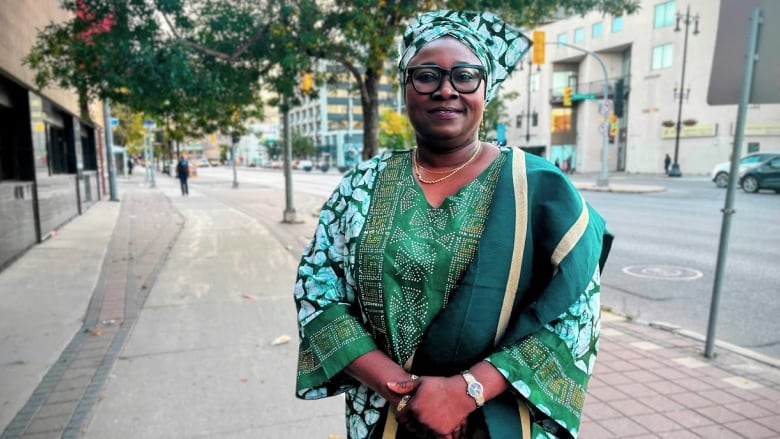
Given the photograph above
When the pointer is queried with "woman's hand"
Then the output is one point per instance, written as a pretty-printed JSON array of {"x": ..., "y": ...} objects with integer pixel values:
[{"x": 438, "y": 405}]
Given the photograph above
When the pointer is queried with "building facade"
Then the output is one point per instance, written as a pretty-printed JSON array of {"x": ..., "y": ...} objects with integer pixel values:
[
  {"x": 333, "y": 119},
  {"x": 49, "y": 155},
  {"x": 646, "y": 54}
]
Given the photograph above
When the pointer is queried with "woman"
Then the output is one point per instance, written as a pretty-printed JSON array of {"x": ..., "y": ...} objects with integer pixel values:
[{"x": 451, "y": 291}]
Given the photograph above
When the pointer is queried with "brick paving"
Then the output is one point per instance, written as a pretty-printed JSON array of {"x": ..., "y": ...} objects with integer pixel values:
[
  {"x": 648, "y": 382},
  {"x": 59, "y": 407}
]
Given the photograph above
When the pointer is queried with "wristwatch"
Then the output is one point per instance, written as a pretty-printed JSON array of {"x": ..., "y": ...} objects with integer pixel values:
[{"x": 474, "y": 388}]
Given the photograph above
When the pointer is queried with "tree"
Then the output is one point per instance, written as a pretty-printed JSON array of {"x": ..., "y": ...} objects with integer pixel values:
[
  {"x": 302, "y": 147},
  {"x": 196, "y": 62},
  {"x": 495, "y": 112},
  {"x": 273, "y": 149},
  {"x": 360, "y": 35},
  {"x": 395, "y": 131},
  {"x": 130, "y": 131}
]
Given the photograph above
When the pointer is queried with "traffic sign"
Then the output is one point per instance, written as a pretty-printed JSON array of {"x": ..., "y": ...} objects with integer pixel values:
[
  {"x": 582, "y": 97},
  {"x": 149, "y": 124},
  {"x": 114, "y": 122},
  {"x": 605, "y": 107}
]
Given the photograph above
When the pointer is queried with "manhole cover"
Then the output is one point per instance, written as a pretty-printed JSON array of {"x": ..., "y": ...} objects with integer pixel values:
[{"x": 664, "y": 272}]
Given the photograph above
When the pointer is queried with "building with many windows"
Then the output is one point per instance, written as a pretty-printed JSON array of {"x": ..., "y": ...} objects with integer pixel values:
[
  {"x": 643, "y": 58},
  {"x": 333, "y": 119}
]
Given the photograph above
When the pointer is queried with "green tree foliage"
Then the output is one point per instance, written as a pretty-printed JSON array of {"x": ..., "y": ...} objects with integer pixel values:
[
  {"x": 395, "y": 131},
  {"x": 302, "y": 147},
  {"x": 273, "y": 149},
  {"x": 495, "y": 112},
  {"x": 130, "y": 131},
  {"x": 196, "y": 63}
]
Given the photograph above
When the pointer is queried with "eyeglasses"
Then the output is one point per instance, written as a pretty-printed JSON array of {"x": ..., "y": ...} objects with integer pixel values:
[{"x": 426, "y": 79}]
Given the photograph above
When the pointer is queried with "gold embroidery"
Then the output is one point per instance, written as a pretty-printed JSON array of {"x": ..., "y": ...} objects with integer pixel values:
[{"x": 405, "y": 244}]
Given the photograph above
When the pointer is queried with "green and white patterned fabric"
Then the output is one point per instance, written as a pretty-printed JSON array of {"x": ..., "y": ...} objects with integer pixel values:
[
  {"x": 497, "y": 45},
  {"x": 385, "y": 269}
]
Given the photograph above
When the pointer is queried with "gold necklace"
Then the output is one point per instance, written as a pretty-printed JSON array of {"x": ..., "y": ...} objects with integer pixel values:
[{"x": 417, "y": 166}]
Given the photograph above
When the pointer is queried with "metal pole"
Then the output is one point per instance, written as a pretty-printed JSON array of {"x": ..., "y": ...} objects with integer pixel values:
[
  {"x": 728, "y": 209},
  {"x": 603, "y": 179},
  {"x": 675, "y": 170},
  {"x": 233, "y": 159},
  {"x": 528, "y": 108},
  {"x": 110, "y": 152},
  {"x": 289, "y": 210},
  {"x": 151, "y": 161}
]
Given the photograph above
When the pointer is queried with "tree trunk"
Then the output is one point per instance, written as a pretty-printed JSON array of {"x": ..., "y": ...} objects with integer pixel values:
[{"x": 370, "y": 101}]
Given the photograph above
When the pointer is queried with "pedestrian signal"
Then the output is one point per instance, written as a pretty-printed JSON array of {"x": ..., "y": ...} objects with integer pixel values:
[
  {"x": 537, "y": 52},
  {"x": 567, "y": 96}
]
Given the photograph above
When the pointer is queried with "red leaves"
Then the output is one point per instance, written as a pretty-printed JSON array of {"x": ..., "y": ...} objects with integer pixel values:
[{"x": 96, "y": 26}]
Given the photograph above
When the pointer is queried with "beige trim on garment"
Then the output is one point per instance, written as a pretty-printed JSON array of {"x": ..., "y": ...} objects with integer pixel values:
[
  {"x": 521, "y": 224},
  {"x": 571, "y": 237}
]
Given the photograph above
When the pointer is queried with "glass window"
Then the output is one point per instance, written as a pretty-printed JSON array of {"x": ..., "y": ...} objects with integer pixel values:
[
  {"x": 560, "y": 120},
  {"x": 665, "y": 14},
  {"x": 662, "y": 56},
  {"x": 579, "y": 35},
  {"x": 617, "y": 24},
  {"x": 596, "y": 30},
  {"x": 563, "y": 38}
]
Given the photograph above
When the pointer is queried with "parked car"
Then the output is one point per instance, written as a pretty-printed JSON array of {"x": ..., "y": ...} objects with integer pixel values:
[
  {"x": 305, "y": 165},
  {"x": 720, "y": 173},
  {"x": 764, "y": 176},
  {"x": 203, "y": 163}
]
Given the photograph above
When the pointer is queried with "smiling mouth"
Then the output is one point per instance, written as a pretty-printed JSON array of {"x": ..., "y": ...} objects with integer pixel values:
[{"x": 444, "y": 111}]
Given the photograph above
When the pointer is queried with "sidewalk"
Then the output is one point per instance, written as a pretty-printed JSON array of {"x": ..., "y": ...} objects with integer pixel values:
[{"x": 171, "y": 317}]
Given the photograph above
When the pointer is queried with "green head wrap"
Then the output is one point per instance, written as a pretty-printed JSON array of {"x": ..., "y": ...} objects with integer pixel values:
[{"x": 497, "y": 45}]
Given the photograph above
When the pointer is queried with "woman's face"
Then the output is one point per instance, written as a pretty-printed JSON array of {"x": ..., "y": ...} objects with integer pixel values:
[{"x": 445, "y": 118}]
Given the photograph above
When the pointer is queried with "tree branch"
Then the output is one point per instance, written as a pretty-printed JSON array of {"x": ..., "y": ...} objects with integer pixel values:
[{"x": 215, "y": 53}]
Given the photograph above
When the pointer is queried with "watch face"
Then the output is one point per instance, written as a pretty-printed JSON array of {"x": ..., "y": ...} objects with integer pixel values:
[{"x": 475, "y": 389}]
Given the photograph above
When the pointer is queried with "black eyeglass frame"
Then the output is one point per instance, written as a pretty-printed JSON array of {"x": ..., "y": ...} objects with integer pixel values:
[{"x": 445, "y": 72}]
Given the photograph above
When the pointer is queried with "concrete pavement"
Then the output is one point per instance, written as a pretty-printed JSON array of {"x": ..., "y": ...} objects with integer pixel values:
[{"x": 165, "y": 316}]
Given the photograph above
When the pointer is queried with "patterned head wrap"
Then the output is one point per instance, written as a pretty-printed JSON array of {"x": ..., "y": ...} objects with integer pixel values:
[{"x": 497, "y": 45}]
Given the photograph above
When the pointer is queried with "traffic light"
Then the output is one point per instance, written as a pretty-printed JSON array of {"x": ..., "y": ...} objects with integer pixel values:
[
  {"x": 537, "y": 50},
  {"x": 307, "y": 84},
  {"x": 618, "y": 99},
  {"x": 567, "y": 96},
  {"x": 613, "y": 125}
]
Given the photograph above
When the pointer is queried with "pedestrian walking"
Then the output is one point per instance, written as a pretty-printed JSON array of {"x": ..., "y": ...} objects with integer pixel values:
[
  {"x": 450, "y": 291},
  {"x": 667, "y": 163},
  {"x": 183, "y": 173},
  {"x": 130, "y": 165}
]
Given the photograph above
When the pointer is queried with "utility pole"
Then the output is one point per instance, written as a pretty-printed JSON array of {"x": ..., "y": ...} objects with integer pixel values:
[
  {"x": 687, "y": 19},
  {"x": 110, "y": 163}
]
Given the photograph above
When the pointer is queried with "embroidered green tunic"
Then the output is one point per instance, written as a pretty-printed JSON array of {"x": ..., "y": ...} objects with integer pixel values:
[{"x": 383, "y": 264}]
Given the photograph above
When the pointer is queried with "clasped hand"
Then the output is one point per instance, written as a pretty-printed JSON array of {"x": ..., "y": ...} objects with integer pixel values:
[{"x": 438, "y": 408}]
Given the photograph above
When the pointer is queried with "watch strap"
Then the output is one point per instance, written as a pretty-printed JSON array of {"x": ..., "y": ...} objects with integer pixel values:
[{"x": 474, "y": 388}]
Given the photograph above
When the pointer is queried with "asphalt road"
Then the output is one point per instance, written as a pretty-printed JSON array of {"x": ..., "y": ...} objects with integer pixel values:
[{"x": 662, "y": 266}]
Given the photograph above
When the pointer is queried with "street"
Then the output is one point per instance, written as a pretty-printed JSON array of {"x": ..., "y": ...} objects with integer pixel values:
[{"x": 662, "y": 264}]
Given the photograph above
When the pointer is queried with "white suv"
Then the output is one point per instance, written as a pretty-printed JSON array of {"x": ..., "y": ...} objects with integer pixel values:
[{"x": 720, "y": 174}]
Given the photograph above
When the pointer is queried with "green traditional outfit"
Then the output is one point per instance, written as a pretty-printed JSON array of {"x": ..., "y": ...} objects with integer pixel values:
[
  {"x": 387, "y": 271},
  {"x": 506, "y": 270}
]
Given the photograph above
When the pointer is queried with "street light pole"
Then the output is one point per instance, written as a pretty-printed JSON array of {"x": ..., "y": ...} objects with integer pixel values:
[
  {"x": 687, "y": 19},
  {"x": 528, "y": 108}
]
